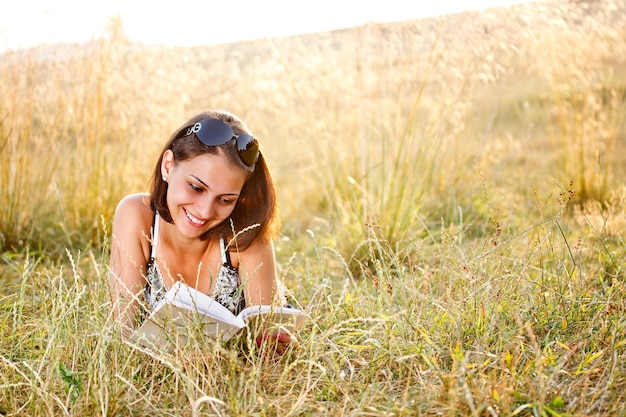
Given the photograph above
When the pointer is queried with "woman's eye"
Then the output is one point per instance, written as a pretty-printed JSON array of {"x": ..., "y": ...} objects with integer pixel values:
[
  {"x": 227, "y": 201},
  {"x": 195, "y": 187}
]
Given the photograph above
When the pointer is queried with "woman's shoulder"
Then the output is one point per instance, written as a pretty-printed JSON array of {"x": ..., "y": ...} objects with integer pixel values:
[
  {"x": 131, "y": 232},
  {"x": 259, "y": 251},
  {"x": 137, "y": 201},
  {"x": 135, "y": 209}
]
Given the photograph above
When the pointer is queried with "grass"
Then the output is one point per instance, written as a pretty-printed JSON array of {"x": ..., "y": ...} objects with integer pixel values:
[{"x": 453, "y": 211}]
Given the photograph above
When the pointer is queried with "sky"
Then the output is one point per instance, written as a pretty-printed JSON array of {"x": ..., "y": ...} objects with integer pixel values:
[{"x": 26, "y": 23}]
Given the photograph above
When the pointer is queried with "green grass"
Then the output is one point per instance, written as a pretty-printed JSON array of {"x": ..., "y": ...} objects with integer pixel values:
[{"x": 453, "y": 209}]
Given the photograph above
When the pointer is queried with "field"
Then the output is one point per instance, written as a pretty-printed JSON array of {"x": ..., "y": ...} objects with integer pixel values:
[{"x": 453, "y": 202}]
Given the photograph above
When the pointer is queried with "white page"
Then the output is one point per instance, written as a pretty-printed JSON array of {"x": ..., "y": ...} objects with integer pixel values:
[{"x": 182, "y": 295}]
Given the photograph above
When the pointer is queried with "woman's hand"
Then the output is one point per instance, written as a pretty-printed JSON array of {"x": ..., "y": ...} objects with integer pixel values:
[{"x": 279, "y": 342}]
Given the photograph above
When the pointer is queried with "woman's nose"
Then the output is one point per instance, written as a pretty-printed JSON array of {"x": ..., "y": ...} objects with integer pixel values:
[{"x": 207, "y": 207}]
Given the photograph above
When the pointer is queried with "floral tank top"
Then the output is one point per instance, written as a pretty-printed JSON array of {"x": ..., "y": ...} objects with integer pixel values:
[{"x": 228, "y": 290}]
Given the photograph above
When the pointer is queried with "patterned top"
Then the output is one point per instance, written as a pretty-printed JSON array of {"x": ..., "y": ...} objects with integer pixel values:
[{"x": 228, "y": 291}]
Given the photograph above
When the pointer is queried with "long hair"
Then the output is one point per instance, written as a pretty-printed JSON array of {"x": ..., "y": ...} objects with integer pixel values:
[{"x": 256, "y": 208}]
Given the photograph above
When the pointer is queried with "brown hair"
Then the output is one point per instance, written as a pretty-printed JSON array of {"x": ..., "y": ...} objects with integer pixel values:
[{"x": 256, "y": 207}]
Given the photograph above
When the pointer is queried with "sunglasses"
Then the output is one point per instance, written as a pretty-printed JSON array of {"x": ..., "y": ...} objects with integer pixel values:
[{"x": 214, "y": 132}]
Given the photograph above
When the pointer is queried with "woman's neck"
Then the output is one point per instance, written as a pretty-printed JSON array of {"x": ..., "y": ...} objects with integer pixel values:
[{"x": 182, "y": 247}]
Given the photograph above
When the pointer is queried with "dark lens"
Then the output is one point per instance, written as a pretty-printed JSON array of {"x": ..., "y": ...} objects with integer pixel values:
[
  {"x": 248, "y": 149},
  {"x": 214, "y": 132}
]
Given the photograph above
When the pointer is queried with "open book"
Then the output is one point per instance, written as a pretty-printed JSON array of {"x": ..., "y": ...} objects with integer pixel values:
[{"x": 185, "y": 313}]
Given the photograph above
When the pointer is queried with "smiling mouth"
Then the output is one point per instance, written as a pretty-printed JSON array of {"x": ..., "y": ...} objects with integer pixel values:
[{"x": 194, "y": 219}]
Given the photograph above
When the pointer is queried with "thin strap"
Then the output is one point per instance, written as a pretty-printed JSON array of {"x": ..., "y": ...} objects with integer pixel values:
[
  {"x": 155, "y": 235},
  {"x": 225, "y": 253}
]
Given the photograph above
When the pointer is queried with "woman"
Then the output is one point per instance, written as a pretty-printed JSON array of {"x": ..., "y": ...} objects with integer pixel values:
[{"x": 209, "y": 221}]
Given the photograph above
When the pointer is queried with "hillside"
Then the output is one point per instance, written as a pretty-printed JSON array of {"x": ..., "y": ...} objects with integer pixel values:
[{"x": 453, "y": 209}]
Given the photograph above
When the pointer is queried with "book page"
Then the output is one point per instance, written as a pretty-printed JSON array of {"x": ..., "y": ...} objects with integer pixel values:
[
  {"x": 185, "y": 313},
  {"x": 182, "y": 295},
  {"x": 188, "y": 321},
  {"x": 273, "y": 318}
]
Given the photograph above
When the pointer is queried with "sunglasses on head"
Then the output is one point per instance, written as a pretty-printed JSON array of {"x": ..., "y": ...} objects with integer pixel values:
[{"x": 214, "y": 132}]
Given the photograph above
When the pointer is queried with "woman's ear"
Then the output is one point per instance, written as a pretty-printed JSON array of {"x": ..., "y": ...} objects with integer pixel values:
[{"x": 167, "y": 162}]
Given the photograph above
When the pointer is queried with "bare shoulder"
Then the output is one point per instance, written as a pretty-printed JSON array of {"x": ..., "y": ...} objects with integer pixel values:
[
  {"x": 133, "y": 213},
  {"x": 258, "y": 253},
  {"x": 134, "y": 205},
  {"x": 257, "y": 269},
  {"x": 138, "y": 201},
  {"x": 130, "y": 245}
]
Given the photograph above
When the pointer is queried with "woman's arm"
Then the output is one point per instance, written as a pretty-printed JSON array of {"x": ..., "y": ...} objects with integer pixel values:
[
  {"x": 257, "y": 268},
  {"x": 127, "y": 265}
]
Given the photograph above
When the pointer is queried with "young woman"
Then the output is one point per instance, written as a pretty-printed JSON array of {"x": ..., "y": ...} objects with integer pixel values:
[{"x": 209, "y": 221}]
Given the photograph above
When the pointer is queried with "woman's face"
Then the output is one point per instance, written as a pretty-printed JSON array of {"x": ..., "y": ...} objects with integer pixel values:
[{"x": 202, "y": 191}]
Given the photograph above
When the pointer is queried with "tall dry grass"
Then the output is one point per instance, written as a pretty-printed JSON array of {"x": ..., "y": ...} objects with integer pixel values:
[{"x": 452, "y": 199}]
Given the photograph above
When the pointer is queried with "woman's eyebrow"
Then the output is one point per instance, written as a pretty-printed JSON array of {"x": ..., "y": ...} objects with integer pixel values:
[
  {"x": 207, "y": 186},
  {"x": 200, "y": 181}
]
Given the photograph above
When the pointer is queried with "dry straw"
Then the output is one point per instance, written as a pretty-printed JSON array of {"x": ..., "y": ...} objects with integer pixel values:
[{"x": 452, "y": 198}]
